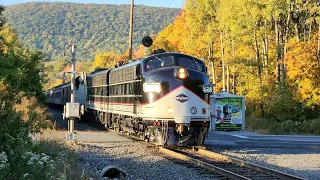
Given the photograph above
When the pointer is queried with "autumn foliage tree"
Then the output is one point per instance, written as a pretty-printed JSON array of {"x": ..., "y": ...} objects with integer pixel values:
[{"x": 269, "y": 50}]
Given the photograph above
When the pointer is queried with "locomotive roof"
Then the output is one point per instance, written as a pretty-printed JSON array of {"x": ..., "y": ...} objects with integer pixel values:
[
  {"x": 127, "y": 65},
  {"x": 99, "y": 73},
  {"x": 148, "y": 57},
  {"x": 61, "y": 85},
  {"x": 173, "y": 54}
]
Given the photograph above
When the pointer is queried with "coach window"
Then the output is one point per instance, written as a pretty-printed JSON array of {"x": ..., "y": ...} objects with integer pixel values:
[
  {"x": 96, "y": 91},
  {"x": 105, "y": 91},
  {"x": 101, "y": 91},
  {"x": 114, "y": 89},
  {"x": 119, "y": 89}
]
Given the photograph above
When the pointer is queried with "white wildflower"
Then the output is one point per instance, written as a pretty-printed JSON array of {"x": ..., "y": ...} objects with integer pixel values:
[
  {"x": 3, "y": 160},
  {"x": 25, "y": 175},
  {"x": 45, "y": 158}
]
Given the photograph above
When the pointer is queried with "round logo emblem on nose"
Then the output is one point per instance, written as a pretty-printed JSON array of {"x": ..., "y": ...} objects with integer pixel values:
[{"x": 193, "y": 110}]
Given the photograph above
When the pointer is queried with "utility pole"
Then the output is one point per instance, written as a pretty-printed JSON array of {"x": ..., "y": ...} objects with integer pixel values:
[
  {"x": 131, "y": 27},
  {"x": 73, "y": 87},
  {"x": 71, "y": 109}
]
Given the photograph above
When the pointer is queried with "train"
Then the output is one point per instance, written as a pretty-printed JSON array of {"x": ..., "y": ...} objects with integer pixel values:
[{"x": 162, "y": 98}]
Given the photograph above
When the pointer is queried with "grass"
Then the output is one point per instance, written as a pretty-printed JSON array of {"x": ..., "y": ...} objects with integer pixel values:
[
  {"x": 65, "y": 157},
  {"x": 288, "y": 127}
]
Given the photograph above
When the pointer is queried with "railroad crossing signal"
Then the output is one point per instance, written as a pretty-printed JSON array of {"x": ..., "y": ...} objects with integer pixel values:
[{"x": 147, "y": 41}]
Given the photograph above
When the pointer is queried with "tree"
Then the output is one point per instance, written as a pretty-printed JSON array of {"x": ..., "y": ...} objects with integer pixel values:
[{"x": 104, "y": 60}]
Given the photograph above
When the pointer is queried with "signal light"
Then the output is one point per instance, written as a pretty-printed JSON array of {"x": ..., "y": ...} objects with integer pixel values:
[
  {"x": 147, "y": 41},
  {"x": 158, "y": 123},
  {"x": 154, "y": 123}
]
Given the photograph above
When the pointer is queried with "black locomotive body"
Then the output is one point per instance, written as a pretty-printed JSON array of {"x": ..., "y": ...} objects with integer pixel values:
[{"x": 163, "y": 98}]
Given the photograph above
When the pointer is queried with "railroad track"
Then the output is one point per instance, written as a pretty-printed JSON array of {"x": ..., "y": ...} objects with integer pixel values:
[
  {"x": 215, "y": 165},
  {"x": 225, "y": 166}
]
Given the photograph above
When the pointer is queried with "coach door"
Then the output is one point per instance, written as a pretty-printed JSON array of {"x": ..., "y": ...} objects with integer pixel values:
[{"x": 137, "y": 89}]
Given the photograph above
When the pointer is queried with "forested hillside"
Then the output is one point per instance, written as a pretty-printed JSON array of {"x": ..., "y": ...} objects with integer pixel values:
[{"x": 96, "y": 28}]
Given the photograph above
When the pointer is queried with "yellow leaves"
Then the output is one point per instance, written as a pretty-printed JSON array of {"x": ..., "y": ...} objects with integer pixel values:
[
  {"x": 32, "y": 112},
  {"x": 139, "y": 53},
  {"x": 303, "y": 69},
  {"x": 305, "y": 86},
  {"x": 4, "y": 93},
  {"x": 9, "y": 38},
  {"x": 104, "y": 60}
]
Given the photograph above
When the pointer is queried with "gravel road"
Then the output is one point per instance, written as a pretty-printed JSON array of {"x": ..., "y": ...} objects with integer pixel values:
[
  {"x": 302, "y": 162},
  {"x": 135, "y": 159}
]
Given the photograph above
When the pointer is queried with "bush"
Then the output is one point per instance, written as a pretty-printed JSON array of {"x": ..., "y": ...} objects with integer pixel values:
[
  {"x": 286, "y": 127},
  {"x": 65, "y": 159},
  {"x": 281, "y": 105},
  {"x": 32, "y": 113},
  {"x": 16, "y": 142},
  {"x": 267, "y": 126}
]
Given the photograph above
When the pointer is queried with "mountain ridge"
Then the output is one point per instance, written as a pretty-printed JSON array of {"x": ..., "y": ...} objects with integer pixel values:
[{"x": 48, "y": 26}]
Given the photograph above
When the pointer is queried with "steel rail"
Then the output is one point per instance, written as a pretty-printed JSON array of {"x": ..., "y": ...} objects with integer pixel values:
[
  {"x": 272, "y": 172},
  {"x": 202, "y": 164}
]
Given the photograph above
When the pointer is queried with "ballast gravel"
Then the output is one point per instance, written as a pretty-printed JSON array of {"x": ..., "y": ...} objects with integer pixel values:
[
  {"x": 302, "y": 162},
  {"x": 135, "y": 159}
]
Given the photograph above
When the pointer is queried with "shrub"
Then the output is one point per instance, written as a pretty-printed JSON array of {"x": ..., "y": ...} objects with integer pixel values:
[
  {"x": 267, "y": 126},
  {"x": 32, "y": 112},
  {"x": 65, "y": 159},
  {"x": 37, "y": 166},
  {"x": 15, "y": 140}
]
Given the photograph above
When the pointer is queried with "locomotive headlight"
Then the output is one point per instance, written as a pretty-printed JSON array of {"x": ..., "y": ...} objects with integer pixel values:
[
  {"x": 169, "y": 110},
  {"x": 182, "y": 73},
  {"x": 152, "y": 87}
]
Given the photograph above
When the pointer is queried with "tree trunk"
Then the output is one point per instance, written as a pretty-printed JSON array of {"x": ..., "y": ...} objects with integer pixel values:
[
  {"x": 211, "y": 59},
  {"x": 318, "y": 53},
  {"x": 284, "y": 45},
  {"x": 296, "y": 28},
  {"x": 277, "y": 50},
  {"x": 310, "y": 31},
  {"x": 266, "y": 49},
  {"x": 213, "y": 73},
  {"x": 265, "y": 55},
  {"x": 258, "y": 58},
  {"x": 228, "y": 79},
  {"x": 234, "y": 82},
  {"x": 304, "y": 33},
  {"x": 222, "y": 58}
]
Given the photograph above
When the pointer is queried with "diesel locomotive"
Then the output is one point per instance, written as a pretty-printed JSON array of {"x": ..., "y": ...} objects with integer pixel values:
[{"x": 162, "y": 98}]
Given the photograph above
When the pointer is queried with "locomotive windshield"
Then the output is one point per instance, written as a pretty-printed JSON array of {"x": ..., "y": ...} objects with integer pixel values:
[{"x": 164, "y": 61}]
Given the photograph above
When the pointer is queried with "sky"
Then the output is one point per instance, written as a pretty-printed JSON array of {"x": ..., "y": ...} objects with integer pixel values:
[{"x": 159, "y": 3}]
